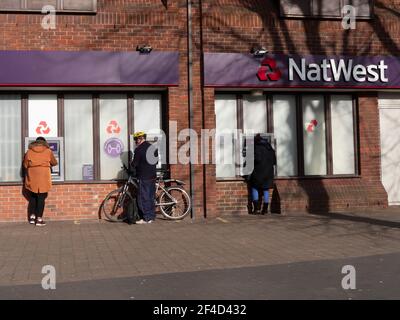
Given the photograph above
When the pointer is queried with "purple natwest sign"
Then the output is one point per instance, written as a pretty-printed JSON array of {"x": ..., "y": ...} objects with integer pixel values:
[
  {"x": 285, "y": 71},
  {"x": 88, "y": 68}
]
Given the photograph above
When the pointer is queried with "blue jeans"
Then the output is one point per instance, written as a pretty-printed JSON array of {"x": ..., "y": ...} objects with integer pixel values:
[
  {"x": 146, "y": 202},
  {"x": 255, "y": 196}
]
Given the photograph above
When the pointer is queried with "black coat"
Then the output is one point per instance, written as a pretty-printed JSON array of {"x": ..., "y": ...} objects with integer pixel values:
[
  {"x": 262, "y": 176},
  {"x": 144, "y": 169}
]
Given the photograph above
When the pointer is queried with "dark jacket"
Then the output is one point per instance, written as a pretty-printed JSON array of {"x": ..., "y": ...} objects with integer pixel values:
[
  {"x": 144, "y": 170},
  {"x": 264, "y": 161},
  {"x": 37, "y": 162}
]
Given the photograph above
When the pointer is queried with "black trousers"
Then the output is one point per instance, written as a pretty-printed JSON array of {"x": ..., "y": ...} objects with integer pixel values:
[{"x": 37, "y": 203}]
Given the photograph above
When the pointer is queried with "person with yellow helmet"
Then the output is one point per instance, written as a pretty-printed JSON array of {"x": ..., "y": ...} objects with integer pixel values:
[{"x": 145, "y": 167}]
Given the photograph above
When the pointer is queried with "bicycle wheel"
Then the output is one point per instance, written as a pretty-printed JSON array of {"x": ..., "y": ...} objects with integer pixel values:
[
  {"x": 178, "y": 210},
  {"x": 116, "y": 213}
]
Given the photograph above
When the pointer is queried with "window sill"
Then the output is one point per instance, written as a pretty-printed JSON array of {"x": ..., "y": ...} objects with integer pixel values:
[
  {"x": 58, "y": 183},
  {"x": 294, "y": 17},
  {"x": 238, "y": 179},
  {"x": 58, "y": 12}
]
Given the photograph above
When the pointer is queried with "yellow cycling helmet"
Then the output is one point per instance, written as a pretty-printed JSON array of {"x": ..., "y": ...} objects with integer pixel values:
[{"x": 139, "y": 135}]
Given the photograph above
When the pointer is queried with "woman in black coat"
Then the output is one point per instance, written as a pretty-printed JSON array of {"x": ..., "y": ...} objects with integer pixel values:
[{"x": 262, "y": 177}]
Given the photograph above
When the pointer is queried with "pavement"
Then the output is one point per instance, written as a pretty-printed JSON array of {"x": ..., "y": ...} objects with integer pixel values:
[{"x": 293, "y": 256}]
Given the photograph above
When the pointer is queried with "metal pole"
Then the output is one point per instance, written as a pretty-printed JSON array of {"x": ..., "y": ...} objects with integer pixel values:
[{"x": 190, "y": 95}]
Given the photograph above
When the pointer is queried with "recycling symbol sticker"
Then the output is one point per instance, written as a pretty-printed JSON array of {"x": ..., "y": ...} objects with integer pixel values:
[
  {"x": 43, "y": 128},
  {"x": 113, "y": 127}
]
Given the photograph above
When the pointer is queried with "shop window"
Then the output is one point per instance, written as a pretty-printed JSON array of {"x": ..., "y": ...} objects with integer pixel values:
[
  {"x": 10, "y": 138},
  {"x": 324, "y": 8},
  {"x": 10, "y": 4},
  {"x": 96, "y": 130},
  {"x": 237, "y": 117},
  {"x": 226, "y": 125},
  {"x": 39, "y": 4},
  {"x": 43, "y": 115},
  {"x": 312, "y": 134},
  {"x": 114, "y": 149},
  {"x": 60, "y": 5},
  {"x": 79, "y": 5},
  {"x": 254, "y": 114},
  {"x": 342, "y": 122},
  {"x": 314, "y": 137},
  {"x": 147, "y": 118},
  {"x": 78, "y": 137},
  {"x": 147, "y": 113},
  {"x": 285, "y": 133}
]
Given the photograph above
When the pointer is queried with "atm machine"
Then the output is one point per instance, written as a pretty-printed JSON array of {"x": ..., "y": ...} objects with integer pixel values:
[{"x": 57, "y": 147}]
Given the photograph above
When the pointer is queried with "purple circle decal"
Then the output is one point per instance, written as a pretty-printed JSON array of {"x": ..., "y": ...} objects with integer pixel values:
[{"x": 113, "y": 147}]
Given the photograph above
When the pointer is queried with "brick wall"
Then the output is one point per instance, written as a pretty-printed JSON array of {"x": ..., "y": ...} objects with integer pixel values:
[
  {"x": 237, "y": 25},
  {"x": 64, "y": 202}
]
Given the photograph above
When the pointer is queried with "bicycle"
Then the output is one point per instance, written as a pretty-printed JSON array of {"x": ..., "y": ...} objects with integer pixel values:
[{"x": 171, "y": 198}]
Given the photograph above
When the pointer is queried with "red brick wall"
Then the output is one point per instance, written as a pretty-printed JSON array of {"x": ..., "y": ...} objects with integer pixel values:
[
  {"x": 64, "y": 202},
  {"x": 119, "y": 25},
  {"x": 237, "y": 25}
]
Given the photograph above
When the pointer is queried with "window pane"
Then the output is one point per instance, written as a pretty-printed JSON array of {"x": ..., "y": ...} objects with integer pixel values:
[
  {"x": 285, "y": 132},
  {"x": 82, "y": 5},
  {"x": 113, "y": 135},
  {"x": 363, "y": 7},
  {"x": 327, "y": 8},
  {"x": 342, "y": 134},
  {"x": 42, "y": 112},
  {"x": 295, "y": 7},
  {"x": 225, "y": 111},
  {"x": 254, "y": 114},
  {"x": 10, "y": 138},
  {"x": 10, "y": 4},
  {"x": 147, "y": 113},
  {"x": 147, "y": 118},
  {"x": 314, "y": 135},
  {"x": 78, "y": 139},
  {"x": 39, "y": 4}
]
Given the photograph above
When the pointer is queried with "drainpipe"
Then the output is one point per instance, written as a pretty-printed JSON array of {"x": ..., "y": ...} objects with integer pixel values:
[{"x": 190, "y": 95}]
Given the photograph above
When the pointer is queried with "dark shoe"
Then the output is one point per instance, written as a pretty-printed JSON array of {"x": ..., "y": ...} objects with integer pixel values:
[
  {"x": 40, "y": 223},
  {"x": 265, "y": 208},
  {"x": 256, "y": 207}
]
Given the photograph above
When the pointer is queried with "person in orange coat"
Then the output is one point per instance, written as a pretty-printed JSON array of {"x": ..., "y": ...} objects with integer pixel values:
[{"x": 37, "y": 161}]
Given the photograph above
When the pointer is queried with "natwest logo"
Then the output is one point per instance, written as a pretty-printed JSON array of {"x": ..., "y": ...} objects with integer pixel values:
[
  {"x": 269, "y": 70},
  {"x": 331, "y": 70}
]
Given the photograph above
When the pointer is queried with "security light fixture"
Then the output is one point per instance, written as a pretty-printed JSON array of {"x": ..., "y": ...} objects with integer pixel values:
[
  {"x": 258, "y": 51},
  {"x": 144, "y": 49},
  {"x": 256, "y": 93}
]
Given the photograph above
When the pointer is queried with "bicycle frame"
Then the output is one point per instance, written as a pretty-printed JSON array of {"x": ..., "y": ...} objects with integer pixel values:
[
  {"x": 121, "y": 199},
  {"x": 158, "y": 186}
]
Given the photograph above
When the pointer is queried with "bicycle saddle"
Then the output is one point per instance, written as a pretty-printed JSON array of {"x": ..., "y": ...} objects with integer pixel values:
[{"x": 180, "y": 182}]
